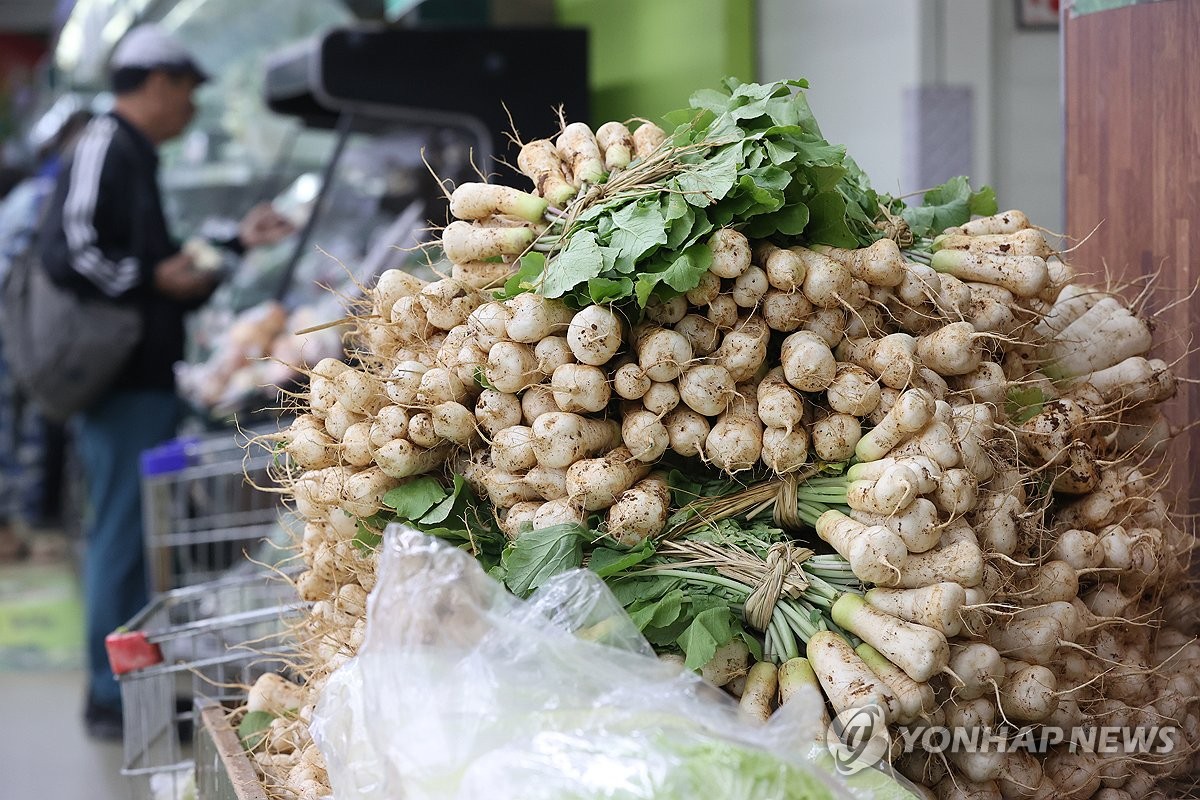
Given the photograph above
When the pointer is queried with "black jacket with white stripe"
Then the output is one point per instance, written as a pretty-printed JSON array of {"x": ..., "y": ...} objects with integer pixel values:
[{"x": 104, "y": 232}]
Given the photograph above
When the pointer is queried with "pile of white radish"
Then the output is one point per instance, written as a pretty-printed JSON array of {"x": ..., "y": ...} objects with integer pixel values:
[{"x": 1000, "y": 505}]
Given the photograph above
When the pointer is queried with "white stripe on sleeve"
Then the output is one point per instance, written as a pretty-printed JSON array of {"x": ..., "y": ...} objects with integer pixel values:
[{"x": 114, "y": 278}]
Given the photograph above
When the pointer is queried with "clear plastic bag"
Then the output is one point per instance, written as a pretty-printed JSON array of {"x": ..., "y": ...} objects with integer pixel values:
[{"x": 462, "y": 691}]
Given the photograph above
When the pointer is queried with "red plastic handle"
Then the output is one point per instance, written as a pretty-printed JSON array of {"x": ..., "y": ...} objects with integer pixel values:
[{"x": 129, "y": 650}]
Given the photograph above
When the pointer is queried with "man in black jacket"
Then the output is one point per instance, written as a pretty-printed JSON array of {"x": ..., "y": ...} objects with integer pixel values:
[{"x": 105, "y": 235}]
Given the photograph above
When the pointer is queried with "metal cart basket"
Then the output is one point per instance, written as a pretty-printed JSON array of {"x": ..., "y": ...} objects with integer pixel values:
[
  {"x": 199, "y": 508},
  {"x": 206, "y": 641}
]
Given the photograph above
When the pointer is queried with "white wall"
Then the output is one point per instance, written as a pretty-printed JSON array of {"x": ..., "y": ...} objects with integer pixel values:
[
  {"x": 1027, "y": 154},
  {"x": 861, "y": 55}
]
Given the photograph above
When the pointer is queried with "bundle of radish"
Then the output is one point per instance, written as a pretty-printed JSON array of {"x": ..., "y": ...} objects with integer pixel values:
[{"x": 795, "y": 424}]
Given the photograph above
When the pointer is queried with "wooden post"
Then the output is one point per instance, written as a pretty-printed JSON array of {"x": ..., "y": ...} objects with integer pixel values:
[{"x": 1131, "y": 79}]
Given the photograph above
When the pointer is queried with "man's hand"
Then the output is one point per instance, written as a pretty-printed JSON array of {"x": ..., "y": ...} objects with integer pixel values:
[
  {"x": 178, "y": 278},
  {"x": 263, "y": 225}
]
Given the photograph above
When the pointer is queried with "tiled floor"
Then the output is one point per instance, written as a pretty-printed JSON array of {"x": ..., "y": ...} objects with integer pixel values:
[{"x": 44, "y": 752}]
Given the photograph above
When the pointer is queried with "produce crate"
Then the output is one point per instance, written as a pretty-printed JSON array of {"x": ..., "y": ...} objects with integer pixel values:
[
  {"x": 223, "y": 771},
  {"x": 200, "y": 509},
  {"x": 206, "y": 641}
]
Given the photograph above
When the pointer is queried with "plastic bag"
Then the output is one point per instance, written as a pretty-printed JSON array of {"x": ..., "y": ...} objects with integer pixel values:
[{"x": 463, "y": 691}]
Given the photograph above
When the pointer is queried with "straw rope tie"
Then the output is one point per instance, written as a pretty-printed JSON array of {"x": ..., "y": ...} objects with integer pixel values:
[
  {"x": 781, "y": 576},
  {"x": 787, "y": 515}
]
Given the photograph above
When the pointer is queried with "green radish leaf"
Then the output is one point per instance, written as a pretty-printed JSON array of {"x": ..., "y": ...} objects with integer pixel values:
[
  {"x": 578, "y": 262},
  {"x": 686, "y": 271},
  {"x": 536, "y": 556},
  {"x": 366, "y": 539},
  {"x": 710, "y": 180},
  {"x": 440, "y": 512},
  {"x": 606, "y": 562},
  {"x": 631, "y": 590},
  {"x": 413, "y": 499},
  {"x": 639, "y": 229},
  {"x": 529, "y": 269},
  {"x": 828, "y": 223},
  {"x": 661, "y": 613},
  {"x": 253, "y": 728},
  {"x": 752, "y": 643},
  {"x": 947, "y": 206},
  {"x": 983, "y": 202},
  {"x": 1023, "y": 405},
  {"x": 606, "y": 290},
  {"x": 709, "y": 630}
]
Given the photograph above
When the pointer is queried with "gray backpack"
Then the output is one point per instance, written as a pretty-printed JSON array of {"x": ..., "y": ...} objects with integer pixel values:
[{"x": 63, "y": 351}]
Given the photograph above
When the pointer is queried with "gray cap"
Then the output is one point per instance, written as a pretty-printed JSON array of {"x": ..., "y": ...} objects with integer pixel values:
[{"x": 150, "y": 47}]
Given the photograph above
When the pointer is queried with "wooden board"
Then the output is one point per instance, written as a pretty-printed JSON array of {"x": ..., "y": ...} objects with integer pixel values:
[
  {"x": 1132, "y": 88},
  {"x": 223, "y": 772}
]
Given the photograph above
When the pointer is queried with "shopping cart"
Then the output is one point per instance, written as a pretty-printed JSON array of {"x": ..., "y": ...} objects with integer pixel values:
[
  {"x": 206, "y": 641},
  {"x": 200, "y": 509}
]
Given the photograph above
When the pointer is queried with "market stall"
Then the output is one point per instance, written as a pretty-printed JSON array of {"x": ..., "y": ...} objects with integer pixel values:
[{"x": 708, "y": 403}]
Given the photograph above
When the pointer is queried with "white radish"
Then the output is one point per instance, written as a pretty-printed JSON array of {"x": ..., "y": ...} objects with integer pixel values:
[
  {"x": 647, "y": 138},
  {"x": 722, "y": 312},
  {"x": 1030, "y": 695},
  {"x": 785, "y": 450},
  {"x": 744, "y": 349},
  {"x": 705, "y": 291},
  {"x": 835, "y": 437},
  {"x": 640, "y": 513},
  {"x": 464, "y": 242},
  {"x": 616, "y": 145},
  {"x": 536, "y": 401},
  {"x": 662, "y": 353},
  {"x": 961, "y": 563},
  {"x": 666, "y": 312},
  {"x": 1024, "y": 276},
  {"x": 495, "y": 411},
  {"x": 580, "y": 154},
  {"x": 687, "y": 431},
  {"x": 594, "y": 335},
  {"x": 785, "y": 269},
  {"x": 779, "y": 405},
  {"x": 511, "y": 367},
  {"x": 735, "y": 442},
  {"x": 808, "y": 363},
  {"x": 580, "y": 388},
  {"x": 596, "y": 483},
  {"x": 512, "y": 449},
  {"x": 645, "y": 435},
  {"x": 913, "y": 698},
  {"x": 701, "y": 333},
  {"x": 853, "y": 391},
  {"x": 917, "y": 526},
  {"x": 549, "y": 482},
  {"x": 731, "y": 253},
  {"x": 845, "y": 678},
  {"x": 750, "y": 287},
  {"x": 401, "y": 458},
  {"x": 630, "y": 382},
  {"x": 829, "y": 324},
  {"x": 540, "y": 162},
  {"x": 920, "y": 651},
  {"x": 535, "y": 317},
  {"x": 552, "y": 353},
  {"x": 560, "y": 439},
  {"x": 951, "y": 350},
  {"x": 875, "y": 553},
  {"x": 826, "y": 282},
  {"x": 911, "y": 412}
]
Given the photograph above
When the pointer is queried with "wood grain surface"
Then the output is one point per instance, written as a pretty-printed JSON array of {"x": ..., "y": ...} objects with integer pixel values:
[{"x": 1132, "y": 97}]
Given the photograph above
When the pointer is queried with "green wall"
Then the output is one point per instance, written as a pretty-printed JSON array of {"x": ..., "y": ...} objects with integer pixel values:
[{"x": 648, "y": 56}]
